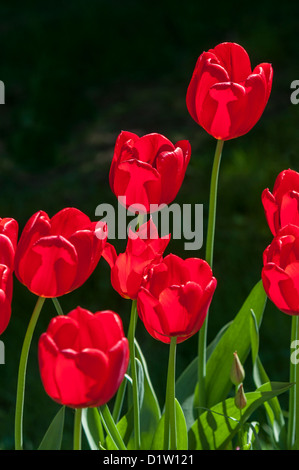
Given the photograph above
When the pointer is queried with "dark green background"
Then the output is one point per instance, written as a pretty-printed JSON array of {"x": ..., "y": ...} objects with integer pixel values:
[{"x": 77, "y": 73}]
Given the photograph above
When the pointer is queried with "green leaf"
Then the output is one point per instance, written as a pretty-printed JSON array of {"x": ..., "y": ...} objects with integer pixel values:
[
  {"x": 187, "y": 381},
  {"x": 181, "y": 431},
  {"x": 216, "y": 427},
  {"x": 150, "y": 410},
  {"x": 251, "y": 431},
  {"x": 53, "y": 438},
  {"x": 92, "y": 425},
  {"x": 273, "y": 409},
  {"x": 236, "y": 338},
  {"x": 181, "y": 428},
  {"x": 125, "y": 428}
]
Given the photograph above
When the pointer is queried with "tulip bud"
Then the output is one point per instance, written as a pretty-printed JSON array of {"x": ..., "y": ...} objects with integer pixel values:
[
  {"x": 237, "y": 373},
  {"x": 240, "y": 398}
]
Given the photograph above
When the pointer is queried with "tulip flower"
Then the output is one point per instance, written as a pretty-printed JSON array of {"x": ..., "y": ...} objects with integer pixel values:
[
  {"x": 144, "y": 247},
  {"x": 147, "y": 170},
  {"x": 8, "y": 243},
  {"x": 282, "y": 205},
  {"x": 83, "y": 357},
  {"x": 225, "y": 96},
  {"x": 175, "y": 296},
  {"x": 280, "y": 273},
  {"x": 55, "y": 256}
]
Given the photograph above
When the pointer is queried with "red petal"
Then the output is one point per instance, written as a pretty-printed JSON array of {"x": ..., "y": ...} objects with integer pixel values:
[
  {"x": 139, "y": 182},
  {"x": 234, "y": 59},
  {"x": 68, "y": 221},
  {"x": 150, "y": 145},
  {"x": 50, "y": 267},
  {"x": 271, "y": 210}
]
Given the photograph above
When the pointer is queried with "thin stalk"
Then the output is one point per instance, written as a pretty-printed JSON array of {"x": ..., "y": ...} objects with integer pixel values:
[
  {"x": 77, "y": 430},
  {"x": 293, "y": 423},
  {"x": 131, "y": 339},
  {"x": 202, "y": 336},
  {"x": 131, "y": 336},
  {"x": 170, "y": 434},
  {"x": 119, "y": 399},
  {"x": 22, "y": 374},
  {"x": 111, "y": 428},
  {"x": 57, "y": 306}
]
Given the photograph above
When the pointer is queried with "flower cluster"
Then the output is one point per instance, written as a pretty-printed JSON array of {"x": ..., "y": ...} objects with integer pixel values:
[
  {"x": 280, "y": 273},
  {"x": 83, "y": 356}
]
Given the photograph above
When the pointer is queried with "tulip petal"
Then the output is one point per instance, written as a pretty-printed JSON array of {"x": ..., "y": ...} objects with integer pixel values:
[
  {"x": 234, "y": 59},
  {"x": 149, "y": 146},
  {"x": 224, "y": 102},
  {"x": 50, "y": 266},
  {"x": 171, "y": 166},
  {"x": 207, "y": 73},
  {"x": 272, "y": 277},
  {"x": 6, "y": 287},
  {"x": 72, "y": 368},
  {"x": 139, "y": 182},
  {"x": 69, "y": 220},
  {"x": 118, "y": 364},
  {"x": 110, "y": 254},
  {"x": 271, "y": 210}
]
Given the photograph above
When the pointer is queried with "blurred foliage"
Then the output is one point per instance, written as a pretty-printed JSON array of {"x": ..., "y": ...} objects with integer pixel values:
[{"x": 76, "y": 74}]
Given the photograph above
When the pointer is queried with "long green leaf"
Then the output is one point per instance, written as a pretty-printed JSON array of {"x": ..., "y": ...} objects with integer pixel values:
[
  {"x": 273, "y": 409},
  {"x": 53, "y": 437},
  {"x": 150, "y": 410},
  {"x": 187, "y": 381},
  {"x": 92, "y": 426},
  {"x": 216, "y": 427},
  {"x": 236, "y": 338},
  {"x": 181, "y": 431}
]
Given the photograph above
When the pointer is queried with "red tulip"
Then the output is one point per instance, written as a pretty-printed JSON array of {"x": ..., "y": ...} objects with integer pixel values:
[
  {"x": 225, "y": 96},
  {"x": 147, "y": 170},
  {"x": 280, "y": 273},
  {"x": 8, "y": 242},
  {"x": 282, "y": 206},
  {"x": 83, "y": 357},
  {"x": 175, "y": 297},
  {"x": 144, "y": 247},
  {"x": 55, "y": 256}
]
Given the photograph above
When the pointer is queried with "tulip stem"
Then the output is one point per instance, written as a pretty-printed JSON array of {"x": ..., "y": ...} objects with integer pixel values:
[
  {"x": 131, "y": 339},
  {"x": 119, "y": 399},
  {"x": 293, "y": 423},
  {"x": 57, "y": 306},
  {"x": 111, "y": 428},
  {"x": 77, "y": 429},
  {"x": 22, "y": 374},
  {"x": 202, "y": 342},
  {"x": 170, "y": 435}
]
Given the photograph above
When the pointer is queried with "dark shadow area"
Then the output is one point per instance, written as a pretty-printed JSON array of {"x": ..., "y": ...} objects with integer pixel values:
[{"x": 76, "y": 74}]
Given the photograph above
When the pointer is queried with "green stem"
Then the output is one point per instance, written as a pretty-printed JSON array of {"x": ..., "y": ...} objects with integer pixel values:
[
  {"x": 131, "y": 335},
  {"x": 22, "y": 374},
  {"x": 119, "y": 399},
  {"x": 293, "y": 423},
  {"x": 57, "y": 306},
  {"x": 111, "y": 428},
  {"x": 170, "y": 434},
  {"x": 131, "y": 339},
  {"x": 77, "y": 429},
  {"x": 202, "y": 340}
]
